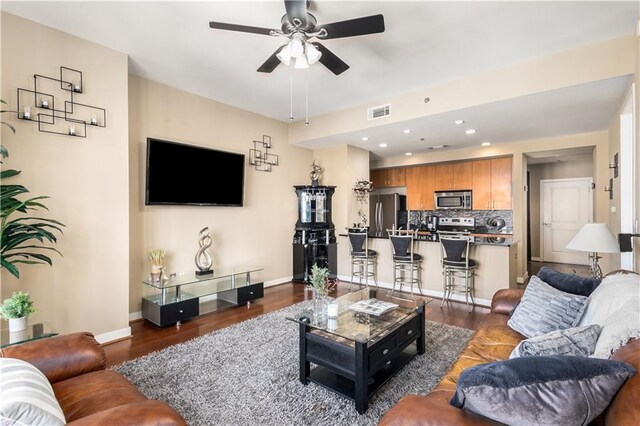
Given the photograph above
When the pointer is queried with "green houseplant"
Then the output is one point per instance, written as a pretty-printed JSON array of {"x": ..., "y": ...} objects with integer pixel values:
[
  {"x": 16, "y": 309},
  {"x": 22, "y": 236},
  {"x": 318, "y": 279}
]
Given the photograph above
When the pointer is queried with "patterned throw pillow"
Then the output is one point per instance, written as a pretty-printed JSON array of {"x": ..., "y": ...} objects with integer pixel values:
[
  {"x": 541, "y": 390},
  {"x": 543, "y": 309},
  {"x": 577, "y": 341},
  {"x": 26, "y": 396}
]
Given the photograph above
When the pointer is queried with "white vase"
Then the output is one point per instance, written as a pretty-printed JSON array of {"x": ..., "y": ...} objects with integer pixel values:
[{"x": 17, "y": 324}]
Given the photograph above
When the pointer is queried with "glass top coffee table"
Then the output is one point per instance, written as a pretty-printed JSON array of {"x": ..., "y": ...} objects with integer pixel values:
[{"x": 356, "y": 353}]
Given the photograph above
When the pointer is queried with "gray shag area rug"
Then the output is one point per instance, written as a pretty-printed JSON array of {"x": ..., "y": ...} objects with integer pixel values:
[{"x": 247, "y": 374}]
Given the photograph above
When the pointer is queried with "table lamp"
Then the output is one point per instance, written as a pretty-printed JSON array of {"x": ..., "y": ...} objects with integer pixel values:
[{"x": 595, "y": 238}]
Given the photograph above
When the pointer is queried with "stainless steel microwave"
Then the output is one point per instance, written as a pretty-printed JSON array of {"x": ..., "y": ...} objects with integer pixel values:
[{"x": 453, "y": 200}]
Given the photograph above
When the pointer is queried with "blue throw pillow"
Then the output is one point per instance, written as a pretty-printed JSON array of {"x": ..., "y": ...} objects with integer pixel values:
[
  {"x": 549, "y": 390},
  {"x": 569, "y": 283},
  {"x": 543, "y": 309}
]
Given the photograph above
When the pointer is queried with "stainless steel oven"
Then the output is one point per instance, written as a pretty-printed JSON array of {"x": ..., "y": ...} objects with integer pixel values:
[{"x": 453, "y": 200}]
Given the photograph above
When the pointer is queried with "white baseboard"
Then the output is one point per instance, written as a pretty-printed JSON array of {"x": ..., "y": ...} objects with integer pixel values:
[
  {"x": 536, "y": 259},
  {"x": 113, "y": 335},
  {"x": 523, "y": 278},
  {"x": 431, "y": 293},
  {"x": 278, "y": 281},
  {"x": 135, "y": 316}
]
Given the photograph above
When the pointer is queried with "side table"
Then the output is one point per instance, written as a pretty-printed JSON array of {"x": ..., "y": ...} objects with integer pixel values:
[{"x": 34, "y": 331}]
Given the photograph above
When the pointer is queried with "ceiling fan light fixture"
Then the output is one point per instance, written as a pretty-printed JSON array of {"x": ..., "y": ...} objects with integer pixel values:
[
  {"x": 301, "y": 63},
  {"x": 285, "y": 54},
  {"x": 312, "y": 53},
  {"x": 297, "y": 49}
]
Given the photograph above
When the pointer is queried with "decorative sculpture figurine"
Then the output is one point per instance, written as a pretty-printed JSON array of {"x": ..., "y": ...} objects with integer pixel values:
[
  {"x": 203, "y": 259},
  {"x": 315, "y": 174},
  {"x": 363, "y": 218}
]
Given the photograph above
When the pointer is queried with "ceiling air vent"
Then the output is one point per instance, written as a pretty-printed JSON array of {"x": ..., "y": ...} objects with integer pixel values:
[{"x": 378, "y": 112}]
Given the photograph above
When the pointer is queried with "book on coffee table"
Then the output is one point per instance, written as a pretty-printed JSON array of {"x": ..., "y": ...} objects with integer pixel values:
[{"x": 373, "y": 307}]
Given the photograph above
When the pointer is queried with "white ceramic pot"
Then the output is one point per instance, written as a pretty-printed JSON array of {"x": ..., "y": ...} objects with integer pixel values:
[{"x": 17, "y": 324}]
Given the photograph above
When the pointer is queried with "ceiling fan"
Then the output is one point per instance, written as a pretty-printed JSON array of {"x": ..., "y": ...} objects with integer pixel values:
[{"x": 300, "y": 26}]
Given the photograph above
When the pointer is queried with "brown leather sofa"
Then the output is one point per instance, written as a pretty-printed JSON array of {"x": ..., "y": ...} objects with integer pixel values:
[
  {"x": 75, "y": 364},
  {"x": 494, "y": 341}
]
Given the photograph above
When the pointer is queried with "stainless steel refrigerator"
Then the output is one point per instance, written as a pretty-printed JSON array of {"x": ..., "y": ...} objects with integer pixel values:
[{"x": 387, "y": 211}]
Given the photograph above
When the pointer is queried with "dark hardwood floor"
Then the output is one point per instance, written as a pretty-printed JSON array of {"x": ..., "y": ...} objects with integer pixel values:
[{"x": 147, "y": 338}]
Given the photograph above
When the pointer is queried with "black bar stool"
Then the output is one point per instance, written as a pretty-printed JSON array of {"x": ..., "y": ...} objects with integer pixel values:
[
  {"x": 405, "y": 260},
  {"x": 456, "y": 264},
  {"x": 363, "y": 260}
]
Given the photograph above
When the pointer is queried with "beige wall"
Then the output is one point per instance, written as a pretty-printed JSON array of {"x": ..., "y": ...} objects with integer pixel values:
[
  {"x": 260, "y": 233},
  {"x": 597, "y": 140},
  {"x": 576, "y": 167},
  {"x": 87, "y": 180},
  {"x": 343, "y": 165}
]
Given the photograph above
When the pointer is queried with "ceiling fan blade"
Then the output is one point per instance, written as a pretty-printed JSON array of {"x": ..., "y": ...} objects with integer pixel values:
[
  {"x": 272, "y": 62},
  {"x": 330, "y": 60},
  {"x": 296, "y": 9},
  {"x": 241, "y": 28},
  {"x": 353, "y": 27}
]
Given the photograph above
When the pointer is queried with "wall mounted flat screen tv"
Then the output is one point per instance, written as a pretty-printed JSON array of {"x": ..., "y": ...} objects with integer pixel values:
[{"x": 191, "y": 175}]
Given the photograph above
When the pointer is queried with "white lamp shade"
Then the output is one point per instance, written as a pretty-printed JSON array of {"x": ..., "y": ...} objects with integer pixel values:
[
  {"x": 595, "y": 237},
  {"x": 285, "y": 54},
  {"x": 312, "y": 52},
  {"x": 301, "y": 63},
  {"x": 297, "y": 50}
]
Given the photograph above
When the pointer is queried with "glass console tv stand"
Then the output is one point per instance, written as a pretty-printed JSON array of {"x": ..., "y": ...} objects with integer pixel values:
[{"x": 179, "y": 297}]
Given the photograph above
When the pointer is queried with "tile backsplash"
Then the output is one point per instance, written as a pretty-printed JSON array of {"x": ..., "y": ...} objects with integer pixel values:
[{"x": 416, "y": 217}]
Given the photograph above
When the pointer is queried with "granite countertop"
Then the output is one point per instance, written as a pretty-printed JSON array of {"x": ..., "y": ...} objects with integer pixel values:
[{"x": 483, "y": 239}]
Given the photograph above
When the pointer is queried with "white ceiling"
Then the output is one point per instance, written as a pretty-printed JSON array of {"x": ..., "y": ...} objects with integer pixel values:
[
  {"x": 577, "y": 109},
  {"x": 424, "y": 43}
]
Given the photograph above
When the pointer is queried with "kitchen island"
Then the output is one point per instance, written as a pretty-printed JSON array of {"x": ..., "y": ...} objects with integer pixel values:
[{"x": 495, "y": 255}]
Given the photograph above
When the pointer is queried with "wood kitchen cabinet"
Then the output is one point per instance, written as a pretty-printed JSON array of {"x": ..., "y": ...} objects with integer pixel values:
[
  {"x": 385, "y": 178},
  {"x": 492, "y": 184},
  {"x": 421, "y": 181},
  {"x": 454, "y": 176}
]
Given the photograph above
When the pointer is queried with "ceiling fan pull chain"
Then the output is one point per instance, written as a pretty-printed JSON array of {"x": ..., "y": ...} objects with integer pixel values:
[
  {"x": 306, "y": 99},
  {"x": 291, "y": 95}
]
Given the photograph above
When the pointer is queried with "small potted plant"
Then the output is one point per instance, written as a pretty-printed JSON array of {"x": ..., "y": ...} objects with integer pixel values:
[
  {"x": 16, "y": 309},
  {"x": 157, "y": 263}
]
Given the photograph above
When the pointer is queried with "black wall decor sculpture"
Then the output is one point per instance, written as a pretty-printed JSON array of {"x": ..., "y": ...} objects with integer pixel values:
[
  {"x": 261, "y": 159},
  {"x": 39, "y": 105}
]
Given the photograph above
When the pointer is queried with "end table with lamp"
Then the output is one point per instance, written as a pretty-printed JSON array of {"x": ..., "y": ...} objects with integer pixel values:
[{"x": 595, "y": 238}]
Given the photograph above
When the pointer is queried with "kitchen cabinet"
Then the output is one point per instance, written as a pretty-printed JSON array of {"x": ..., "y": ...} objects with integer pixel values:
[
  {"x": 454, "y": 176},
  {"x": 386, "y": 178},
  {"x": 492, "y": 184},
  {"x": 421, "y": 182}
]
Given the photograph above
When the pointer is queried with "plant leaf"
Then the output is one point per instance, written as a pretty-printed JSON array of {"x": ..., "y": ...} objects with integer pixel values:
[
  {"x": 9, "y": 173},
  {"x": 10, "y": 267}
]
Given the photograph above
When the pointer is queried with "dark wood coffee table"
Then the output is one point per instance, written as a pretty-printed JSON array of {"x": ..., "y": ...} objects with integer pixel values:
[{"x": 355, "y": 354}]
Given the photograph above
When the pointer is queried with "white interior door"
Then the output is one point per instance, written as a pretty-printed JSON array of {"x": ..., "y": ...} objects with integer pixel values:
[{"x": 565, "y": 205}]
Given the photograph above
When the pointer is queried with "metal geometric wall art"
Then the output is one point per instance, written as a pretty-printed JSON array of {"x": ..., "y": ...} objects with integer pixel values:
[
  {"x": 40, "y": 105},
  {"x": 261, "y": 159}
]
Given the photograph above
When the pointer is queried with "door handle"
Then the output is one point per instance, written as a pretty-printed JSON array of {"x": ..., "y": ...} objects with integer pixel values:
[{"x": 546, "y": 223}]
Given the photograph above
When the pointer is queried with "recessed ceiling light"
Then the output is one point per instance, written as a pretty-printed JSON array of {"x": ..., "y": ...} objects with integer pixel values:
[
  {"x": 408, "y": 153},
  {"x": 459, "y": 121},
  {"x": 406, "y": 131},
  {"x": 486, "y": 143},
  {"x": 383, "y": 145},
  {"x": 364, "y": 138},
  {"x": 470, "y": 131}
]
